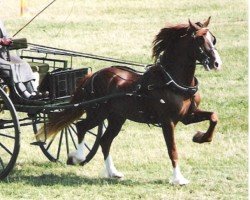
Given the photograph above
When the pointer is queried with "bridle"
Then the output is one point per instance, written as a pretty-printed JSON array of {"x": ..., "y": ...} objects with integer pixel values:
[{"x": 202, "y": 56}]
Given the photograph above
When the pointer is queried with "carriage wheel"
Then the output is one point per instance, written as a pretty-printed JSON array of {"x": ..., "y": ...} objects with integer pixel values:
[
  {"x": 66, "y": 141},
  {"x": 9, "y": 135}
]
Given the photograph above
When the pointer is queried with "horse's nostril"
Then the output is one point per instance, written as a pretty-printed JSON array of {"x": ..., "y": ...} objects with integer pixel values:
[{"x": 216, "y": 64}]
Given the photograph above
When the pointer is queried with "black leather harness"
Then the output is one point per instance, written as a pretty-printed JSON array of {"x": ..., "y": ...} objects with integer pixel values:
[{"x": 187, "y": 91}]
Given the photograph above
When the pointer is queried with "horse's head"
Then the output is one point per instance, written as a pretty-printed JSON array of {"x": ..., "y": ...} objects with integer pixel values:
[{"x": 204, "y": 45}]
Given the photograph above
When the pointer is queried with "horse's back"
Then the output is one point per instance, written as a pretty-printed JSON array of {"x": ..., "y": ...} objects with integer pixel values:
[{"x": 117, "y": 79}]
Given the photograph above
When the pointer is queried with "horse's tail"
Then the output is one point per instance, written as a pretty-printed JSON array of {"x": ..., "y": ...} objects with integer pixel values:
[
  {"x": 57, "y": 122},
  {"x": 60, "y": 120}
]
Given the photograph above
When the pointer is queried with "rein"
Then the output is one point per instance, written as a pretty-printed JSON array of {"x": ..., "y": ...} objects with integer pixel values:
[{"x": 57, "y": 51}]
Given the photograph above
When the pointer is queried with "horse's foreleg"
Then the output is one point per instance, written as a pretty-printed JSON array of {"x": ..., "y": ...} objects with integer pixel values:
[
  {"x": 168, "y": 132},
  {"x": 199, "y": 116},
  {"x": 114, "y": 126}
]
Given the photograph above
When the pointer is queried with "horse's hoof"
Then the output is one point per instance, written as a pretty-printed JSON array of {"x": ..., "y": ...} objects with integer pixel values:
[
  {"x": 117, "y": 175},
  {"x": 181, "y": 181},
  {"x": 73, "y": 159},
  {"x": 70, "y": 161},
  {"x": 114, "y": 175},
  {"x": 199, "y": 137}
]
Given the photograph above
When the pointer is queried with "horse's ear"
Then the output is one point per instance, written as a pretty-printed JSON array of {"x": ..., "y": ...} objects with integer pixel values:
[
  {"x": 193, "y": 25},
  {"x": 205, "y": 24}
]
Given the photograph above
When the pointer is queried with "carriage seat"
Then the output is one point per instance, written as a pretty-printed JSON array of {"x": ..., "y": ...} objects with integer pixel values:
[
  {"x": 40, "y": 70},
  {"x": 60, "y": 83},
  {"x": 6, "y": 75}
]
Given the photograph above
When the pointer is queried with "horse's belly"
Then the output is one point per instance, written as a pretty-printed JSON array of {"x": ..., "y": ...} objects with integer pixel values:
[{"x": 135, "y": 110}]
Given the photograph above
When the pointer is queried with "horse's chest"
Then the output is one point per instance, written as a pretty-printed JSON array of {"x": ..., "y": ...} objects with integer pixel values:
[
  {"x": 173, "y": 106},
  {"x": 184, "y": 109}
]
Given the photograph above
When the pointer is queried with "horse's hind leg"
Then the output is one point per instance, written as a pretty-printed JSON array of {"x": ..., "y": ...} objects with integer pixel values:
[
  {"x": 114, "y": 126},
  {"x": 93, "y": 119},
  {"x": 199, "y": 116}
]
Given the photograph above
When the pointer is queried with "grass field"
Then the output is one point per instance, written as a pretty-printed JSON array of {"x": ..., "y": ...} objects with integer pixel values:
[{"x": 125, "y": 29}]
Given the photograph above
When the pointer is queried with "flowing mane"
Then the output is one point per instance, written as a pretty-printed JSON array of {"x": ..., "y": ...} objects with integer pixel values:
[{"x": 167, "y": 36}]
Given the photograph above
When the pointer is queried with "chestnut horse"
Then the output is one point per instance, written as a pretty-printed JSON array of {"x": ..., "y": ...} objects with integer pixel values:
[{"x": 165, "y": 94}]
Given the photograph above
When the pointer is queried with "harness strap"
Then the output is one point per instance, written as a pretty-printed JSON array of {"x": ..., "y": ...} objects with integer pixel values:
[{"x": 170, "y": 83}]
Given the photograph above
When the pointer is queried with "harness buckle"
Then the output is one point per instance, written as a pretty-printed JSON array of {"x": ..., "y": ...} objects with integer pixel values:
[
  {"x": 150, "y": 87},
  {"x": 168, "y": 83}
]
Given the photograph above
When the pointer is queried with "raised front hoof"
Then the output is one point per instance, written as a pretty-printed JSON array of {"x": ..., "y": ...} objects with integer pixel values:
[
  {"x": 180, "y": 181},
  {"x": 200, "y": 137}
]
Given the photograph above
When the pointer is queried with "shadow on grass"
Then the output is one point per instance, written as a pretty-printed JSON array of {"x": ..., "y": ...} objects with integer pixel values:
[
  {"x": 71, "y": 179},
  {"x": 32, "y": 174},
  {"x": 36, "y": 174}
]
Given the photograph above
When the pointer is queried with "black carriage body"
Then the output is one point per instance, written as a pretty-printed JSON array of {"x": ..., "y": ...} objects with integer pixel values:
[{"x": 64, "y": 82}]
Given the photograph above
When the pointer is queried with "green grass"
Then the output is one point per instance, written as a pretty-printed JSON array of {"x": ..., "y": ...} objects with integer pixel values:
[{"x": 125, "y": 29}]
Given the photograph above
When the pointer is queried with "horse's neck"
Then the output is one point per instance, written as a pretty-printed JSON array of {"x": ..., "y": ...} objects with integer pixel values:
[{"x": 181, "y": 71}]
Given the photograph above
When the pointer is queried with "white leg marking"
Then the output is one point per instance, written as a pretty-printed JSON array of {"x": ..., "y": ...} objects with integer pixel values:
[
  {"x": 78, "y": 155},
  {"x": 178, "y": 178},
  {"x": 111, "y": 171}
]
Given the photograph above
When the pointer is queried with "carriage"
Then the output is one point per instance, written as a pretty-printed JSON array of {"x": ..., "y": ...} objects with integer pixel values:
[{"x": 58, "y": 75}]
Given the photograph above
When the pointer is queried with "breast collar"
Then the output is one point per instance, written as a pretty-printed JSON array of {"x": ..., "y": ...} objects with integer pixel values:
[{"x": 186, "y": 91}]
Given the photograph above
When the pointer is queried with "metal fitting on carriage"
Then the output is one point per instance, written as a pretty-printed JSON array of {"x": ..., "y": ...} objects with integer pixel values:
[
  {"x": 150, "y": 87},
  {"x": 162, "y": 101},
  {"x": 138, "y": 87}
]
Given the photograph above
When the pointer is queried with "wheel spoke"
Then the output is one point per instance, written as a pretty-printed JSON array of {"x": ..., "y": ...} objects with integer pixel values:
[
  {"x": 72, "y": 138},
  {"x": 73, "y": 129},
  {"x": 92, "y": 133},
  {"x": 66, "y": 140},
  {"x": 59, "y": 145},
  {"x": 50, "y": 142},
  {"x": 1, "y": 163},
  {"x": 87, "y": 146},
  {"x": 5, "y": 148},
  {"x": 8, "y": 136}
]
